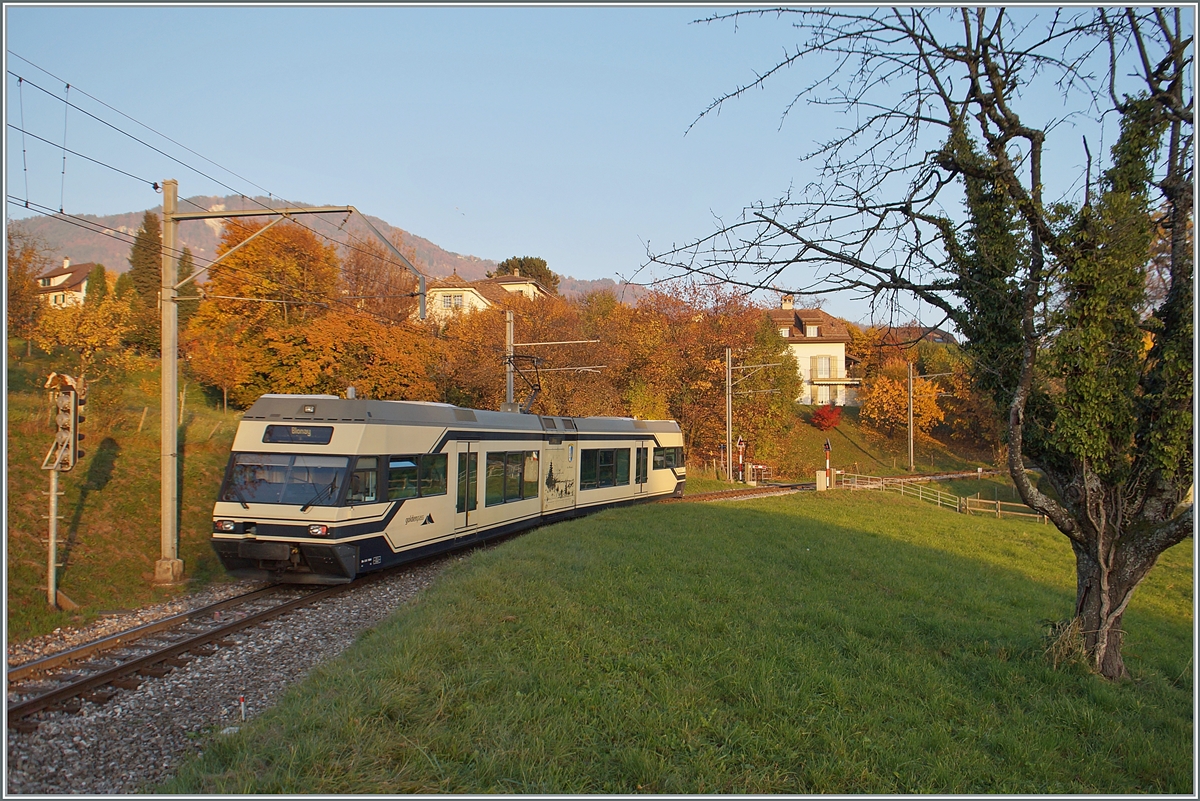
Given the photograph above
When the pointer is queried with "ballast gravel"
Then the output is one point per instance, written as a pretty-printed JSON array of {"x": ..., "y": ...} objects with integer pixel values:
[{"x": 139, "y": 737}]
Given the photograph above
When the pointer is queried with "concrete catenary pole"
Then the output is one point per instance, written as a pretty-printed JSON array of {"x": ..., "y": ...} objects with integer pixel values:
[
  {"x": 729, "y": 415},
  {"x": 508, "y": 360},
  {"x": 911, "y": 465},
  {"x": 169, "y": 568}
]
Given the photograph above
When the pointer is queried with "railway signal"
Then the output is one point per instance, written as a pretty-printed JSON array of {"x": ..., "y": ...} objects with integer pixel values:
[{"x": 68, "y": 395}]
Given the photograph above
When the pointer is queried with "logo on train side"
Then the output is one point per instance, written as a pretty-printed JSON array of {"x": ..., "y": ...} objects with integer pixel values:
[{"x": 425, "y": 521}]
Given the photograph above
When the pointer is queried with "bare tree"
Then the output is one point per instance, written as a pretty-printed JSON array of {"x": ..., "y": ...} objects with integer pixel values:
[{"x": 1047, "y": 294}]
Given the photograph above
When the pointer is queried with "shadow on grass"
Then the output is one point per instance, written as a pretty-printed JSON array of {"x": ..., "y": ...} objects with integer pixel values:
[{"x": 99, "y": 473}]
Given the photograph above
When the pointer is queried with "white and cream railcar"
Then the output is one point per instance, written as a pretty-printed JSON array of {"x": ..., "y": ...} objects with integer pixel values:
[{"x": 319, "y": 490}]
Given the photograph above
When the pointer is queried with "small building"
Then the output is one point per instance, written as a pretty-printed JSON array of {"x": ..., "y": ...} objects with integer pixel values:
[
  {"x": 818, "y": 341},
  {"x": 449, "y": 296},
  {"x": 66, "y": 285}
]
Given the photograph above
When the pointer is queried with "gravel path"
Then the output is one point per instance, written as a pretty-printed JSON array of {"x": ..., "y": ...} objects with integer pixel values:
[{"x": 136, "y": 740}]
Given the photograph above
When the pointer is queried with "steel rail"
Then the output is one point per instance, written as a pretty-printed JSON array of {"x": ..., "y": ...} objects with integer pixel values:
[
  {"x": 28, "y": 707},
  {"x": 78, "y": 653}
]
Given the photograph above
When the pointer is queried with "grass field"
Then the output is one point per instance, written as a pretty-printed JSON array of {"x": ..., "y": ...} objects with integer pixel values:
[
  {"x": 833, "y": 643},
  {"x": 109, "y": 534}
]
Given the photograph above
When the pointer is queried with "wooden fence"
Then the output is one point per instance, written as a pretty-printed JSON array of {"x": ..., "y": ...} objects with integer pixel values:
[{"x": 913, "y": 487}]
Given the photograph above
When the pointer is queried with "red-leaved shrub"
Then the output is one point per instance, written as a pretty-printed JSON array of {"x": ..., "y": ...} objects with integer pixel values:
[{"x": 826, "y": 417}]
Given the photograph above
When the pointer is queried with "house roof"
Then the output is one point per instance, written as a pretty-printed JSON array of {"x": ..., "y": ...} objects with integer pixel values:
[
  {"x": 491, "y": 289},
  {"x": 907, "y": 334},
  {"x": 829, "y": 328},
  {"x": 76, "y": 275}
]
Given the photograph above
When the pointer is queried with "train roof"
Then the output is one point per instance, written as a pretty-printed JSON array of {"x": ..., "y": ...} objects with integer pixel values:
[{"x": 331, "y": 409}]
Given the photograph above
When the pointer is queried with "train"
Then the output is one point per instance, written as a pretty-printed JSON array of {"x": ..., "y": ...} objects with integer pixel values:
[{"x": 321, "y": 489}]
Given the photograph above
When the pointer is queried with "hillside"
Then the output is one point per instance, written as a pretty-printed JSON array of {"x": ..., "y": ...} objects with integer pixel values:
[{"x": 70, "y": 239}]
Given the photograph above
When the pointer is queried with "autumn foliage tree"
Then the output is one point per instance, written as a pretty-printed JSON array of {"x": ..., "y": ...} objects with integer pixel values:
[{"x": 26, "y": 257}]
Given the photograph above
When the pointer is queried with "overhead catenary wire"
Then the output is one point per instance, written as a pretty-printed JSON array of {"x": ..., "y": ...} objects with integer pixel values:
[
  {"x": 266, "y": 208},
  {"x": 63, "y": 186},
  {"x": 256, "y": 279},
  {"x": 139, "y": 122},
  {"x": 384, "y": 258},
  {"x": 24, "y": 155},
  {"x": 67, "y": 150}
]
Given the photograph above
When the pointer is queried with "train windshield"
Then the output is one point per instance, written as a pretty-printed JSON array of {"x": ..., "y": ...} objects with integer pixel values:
[{"x": 295, "y": 479}]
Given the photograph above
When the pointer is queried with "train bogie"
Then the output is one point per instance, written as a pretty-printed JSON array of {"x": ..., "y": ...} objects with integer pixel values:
[{"x": 321, "y": 490}]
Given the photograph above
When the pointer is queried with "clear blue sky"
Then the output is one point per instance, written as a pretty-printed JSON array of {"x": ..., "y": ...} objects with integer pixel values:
[{"x": 493, "y": 132}]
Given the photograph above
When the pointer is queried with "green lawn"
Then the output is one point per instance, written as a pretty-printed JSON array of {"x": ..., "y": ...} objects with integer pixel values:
[{"x": 832, "y": 643}]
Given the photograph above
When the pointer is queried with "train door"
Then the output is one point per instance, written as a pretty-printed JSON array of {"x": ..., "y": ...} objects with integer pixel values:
[
  {"x": 467, "y": 486},
  {"x": 641, "y": 466}
]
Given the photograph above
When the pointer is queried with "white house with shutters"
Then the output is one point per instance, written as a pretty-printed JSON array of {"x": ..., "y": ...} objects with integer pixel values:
[
  {"x": 66, "y": 285},
  {"x": 818, "y": 341}
]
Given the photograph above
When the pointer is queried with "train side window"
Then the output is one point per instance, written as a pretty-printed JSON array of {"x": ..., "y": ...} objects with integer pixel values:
[
  {"x": 513, "y": 464},
  {"x": 529, "y": 488},
  {"x": 603, "y": 467},
  {"x": 510, "y": 476},
  {"x": 402, "y": 477},
  {"x": 641, "y": 466},
  {"x": 468, "y": 481},
  {"x": 587, "y": 469},
  {"x": 364, "y": 481},
  {"x": 433, "y": 474},
  {"x": 668, "y": 457},
  {"x": 493, "y": 486}
]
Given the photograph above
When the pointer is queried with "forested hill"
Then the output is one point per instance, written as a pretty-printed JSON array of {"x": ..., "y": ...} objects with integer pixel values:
[{"x": 70, "y": 239}]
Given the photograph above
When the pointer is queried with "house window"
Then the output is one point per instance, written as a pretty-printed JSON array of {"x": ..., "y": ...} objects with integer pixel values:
[
  {"x": 446, "y": 301},
  {"x": 823, "y": 367},
  {"x": 810, "y": 331},
  {"x": 823, "y": 393},
  {"x": 783, "y": 332},
  {"x": 44, "y": 281},
  {"x": 458, "y": 301}
]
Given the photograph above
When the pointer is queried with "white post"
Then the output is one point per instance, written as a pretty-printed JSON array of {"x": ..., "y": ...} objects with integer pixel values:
[
  {"x": 911, "y": 466},
  {"x": 52, "y": 563},
  {"x": 729, "y": 415}
]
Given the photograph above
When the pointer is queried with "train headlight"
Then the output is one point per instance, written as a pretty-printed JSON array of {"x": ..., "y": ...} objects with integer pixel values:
[
  {"x": 224, "y": 525},
  {"x": 318, "y": 530}
]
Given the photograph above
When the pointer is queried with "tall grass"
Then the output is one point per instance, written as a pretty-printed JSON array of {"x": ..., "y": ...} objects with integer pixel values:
[{"x": 841, "y": 643}]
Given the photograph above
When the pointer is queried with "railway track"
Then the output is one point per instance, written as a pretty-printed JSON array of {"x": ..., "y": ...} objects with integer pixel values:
[
  {"x": 741, "y": 493},
  {"x": 97, "y": 671}
]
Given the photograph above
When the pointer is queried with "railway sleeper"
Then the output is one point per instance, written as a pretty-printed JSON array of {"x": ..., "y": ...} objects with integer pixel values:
[
  {"x": 155, "y": 671},
  {"x": 100, "y": 696},
  {"x": 71, "y": 706},
  {"x": 126, "y": 683}
]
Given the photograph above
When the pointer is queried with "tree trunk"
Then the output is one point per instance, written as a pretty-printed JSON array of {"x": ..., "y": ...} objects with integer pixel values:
[{"x": 1102, "y": 593}]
